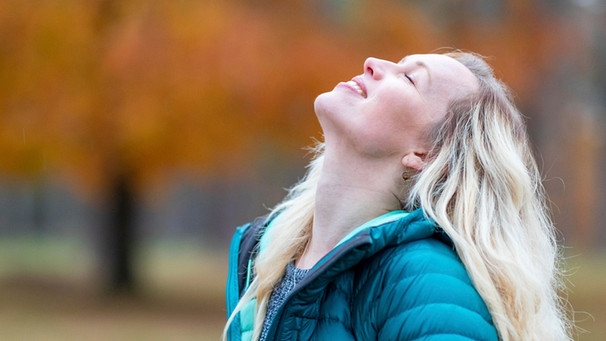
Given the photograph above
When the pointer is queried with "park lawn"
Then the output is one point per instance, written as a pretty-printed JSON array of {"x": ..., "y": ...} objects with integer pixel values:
[
  {"x": 586, "y": 282},
  {"x": 48, "y": 292}
]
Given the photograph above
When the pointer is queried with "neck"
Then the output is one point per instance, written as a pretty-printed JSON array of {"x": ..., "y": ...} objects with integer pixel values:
[{"x": 344, "y": 201}]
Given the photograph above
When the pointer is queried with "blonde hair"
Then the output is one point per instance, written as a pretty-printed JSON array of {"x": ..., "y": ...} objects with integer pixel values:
[{"x": 483, "y": 188}]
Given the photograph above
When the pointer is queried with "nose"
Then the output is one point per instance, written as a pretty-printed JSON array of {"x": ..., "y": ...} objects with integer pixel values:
[
  {"x": 375, "y": 67},
  {"x": 371, "y": 67}
]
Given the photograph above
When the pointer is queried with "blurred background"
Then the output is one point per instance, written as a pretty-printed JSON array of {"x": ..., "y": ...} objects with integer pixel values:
[{"x": 136, "y": 135}]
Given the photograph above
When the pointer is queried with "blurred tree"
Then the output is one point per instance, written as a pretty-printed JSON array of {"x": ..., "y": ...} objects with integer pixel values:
[
  {"x": 119, "y": 95},
  {"x": 115, "y": 95}
]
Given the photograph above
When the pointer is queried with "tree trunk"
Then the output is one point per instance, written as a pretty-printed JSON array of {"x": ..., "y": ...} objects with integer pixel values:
[
  {"x": 119, "y": 242},
  {"x": 118, "y": 238}
]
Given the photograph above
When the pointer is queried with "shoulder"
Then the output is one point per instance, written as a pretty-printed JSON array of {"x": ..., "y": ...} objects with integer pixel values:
[
  {"x": 422, "y": 288},
  {"x": 426, "y": 257}
]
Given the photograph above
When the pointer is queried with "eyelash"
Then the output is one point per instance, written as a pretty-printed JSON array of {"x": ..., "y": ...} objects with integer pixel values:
[{"x": 409, "y": 79}]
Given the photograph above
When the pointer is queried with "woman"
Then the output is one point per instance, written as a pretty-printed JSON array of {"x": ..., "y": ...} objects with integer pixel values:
[{"x": 421, "y": 217}]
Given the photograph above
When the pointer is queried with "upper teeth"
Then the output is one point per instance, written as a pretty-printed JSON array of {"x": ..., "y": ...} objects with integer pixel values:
[{"x": 356, "y": 87}]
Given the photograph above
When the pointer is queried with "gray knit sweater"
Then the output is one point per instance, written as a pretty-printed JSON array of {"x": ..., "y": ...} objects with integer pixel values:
[{"x": 292, "y": 276}]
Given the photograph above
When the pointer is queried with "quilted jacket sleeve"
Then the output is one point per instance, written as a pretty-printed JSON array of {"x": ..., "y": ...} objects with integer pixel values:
[{"x": 423, "y": 292}]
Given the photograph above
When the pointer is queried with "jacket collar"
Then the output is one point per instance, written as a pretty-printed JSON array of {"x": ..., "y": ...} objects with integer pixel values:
[{"x": 394, "y": 228}]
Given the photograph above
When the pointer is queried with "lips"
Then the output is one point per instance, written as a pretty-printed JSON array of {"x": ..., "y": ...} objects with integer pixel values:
[{"x": 358, "y": 86}]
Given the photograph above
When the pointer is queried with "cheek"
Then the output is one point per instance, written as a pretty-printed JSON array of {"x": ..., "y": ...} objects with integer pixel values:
[
  {"x": 381, "y": 134},
  {"x": 394, "y": 112},
  {"x": 393, "y": 124}
]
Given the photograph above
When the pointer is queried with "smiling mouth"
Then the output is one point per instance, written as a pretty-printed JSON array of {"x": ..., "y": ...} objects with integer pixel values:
[{"x": 357, "y": 88}]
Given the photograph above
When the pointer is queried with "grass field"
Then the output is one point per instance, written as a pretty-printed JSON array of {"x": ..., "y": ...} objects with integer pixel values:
[
  {"x": 587, "y": 285},
  {"x": 48, "y": 292}
]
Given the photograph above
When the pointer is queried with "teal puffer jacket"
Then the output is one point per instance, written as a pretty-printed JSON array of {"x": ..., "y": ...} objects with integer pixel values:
[{"x": 396, "y": 277}]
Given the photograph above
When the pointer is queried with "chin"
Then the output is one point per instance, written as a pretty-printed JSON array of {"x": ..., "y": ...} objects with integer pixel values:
[
  {"x": 320, "y": 99},
  {"x": 325, "y": 103}
]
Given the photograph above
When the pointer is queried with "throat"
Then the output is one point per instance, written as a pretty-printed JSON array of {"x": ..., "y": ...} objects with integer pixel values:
[{"x": 339, "y": 209}]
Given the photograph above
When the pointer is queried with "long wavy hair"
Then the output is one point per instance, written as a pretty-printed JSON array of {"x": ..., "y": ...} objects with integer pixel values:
[{"x": 482, "y": 186}]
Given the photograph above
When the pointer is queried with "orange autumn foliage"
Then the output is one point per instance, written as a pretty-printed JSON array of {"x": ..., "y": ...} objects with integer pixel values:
[{"x": 88, "y": 87}]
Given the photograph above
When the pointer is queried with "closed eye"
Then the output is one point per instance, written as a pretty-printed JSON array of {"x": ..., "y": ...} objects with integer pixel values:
[{"x": 409, "y": 79}]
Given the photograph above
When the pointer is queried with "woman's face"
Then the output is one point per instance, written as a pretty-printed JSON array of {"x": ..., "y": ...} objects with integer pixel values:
[{"x": 389, "y": 109}]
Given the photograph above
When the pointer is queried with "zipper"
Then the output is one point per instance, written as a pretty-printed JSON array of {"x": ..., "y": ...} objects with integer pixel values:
[{"x": 359, "y": 240}]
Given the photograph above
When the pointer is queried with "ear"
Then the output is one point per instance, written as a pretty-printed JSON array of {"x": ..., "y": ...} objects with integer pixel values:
[{"x": 414, "y": 160}]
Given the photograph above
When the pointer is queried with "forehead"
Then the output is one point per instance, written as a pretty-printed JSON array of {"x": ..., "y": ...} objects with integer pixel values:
[
  {"x": 439, "y": 62},
  {"x": 445, "y": 71}
]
